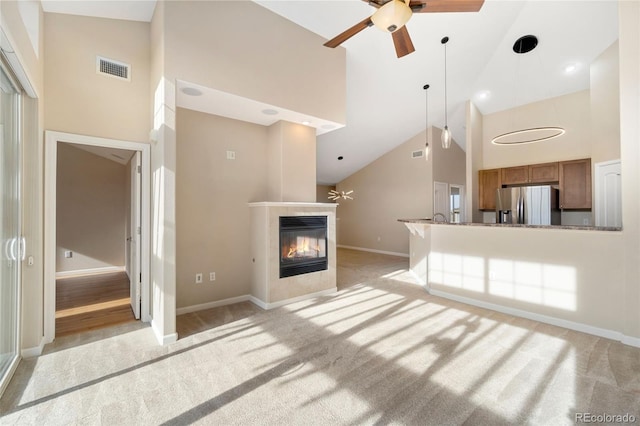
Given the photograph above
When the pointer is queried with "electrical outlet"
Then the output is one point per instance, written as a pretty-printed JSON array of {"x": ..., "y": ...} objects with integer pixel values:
[
  {"x": 585, "y": 221},
  {"x": 231, "y": 155},
  {"x": 198, "y": 277},
  {"x": 378, "y": 238},
  {"x": 212, "y": 276},
  {"x": 68, "y": 254}
]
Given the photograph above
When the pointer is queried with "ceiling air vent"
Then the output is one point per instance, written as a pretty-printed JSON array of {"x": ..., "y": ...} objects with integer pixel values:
[
  {"x": 112, "y": 68},
  {"x": 417, "y": 154}
]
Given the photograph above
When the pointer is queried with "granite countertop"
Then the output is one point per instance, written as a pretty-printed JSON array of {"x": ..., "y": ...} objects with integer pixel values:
[{"x": 428, "y": 221}]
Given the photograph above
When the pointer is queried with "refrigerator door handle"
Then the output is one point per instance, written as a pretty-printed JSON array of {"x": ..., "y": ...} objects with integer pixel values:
[{"x": 520, "y": 208}]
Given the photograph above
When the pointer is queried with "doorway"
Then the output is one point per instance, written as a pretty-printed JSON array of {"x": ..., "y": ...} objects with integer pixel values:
[{"x": 138, "y": 242}]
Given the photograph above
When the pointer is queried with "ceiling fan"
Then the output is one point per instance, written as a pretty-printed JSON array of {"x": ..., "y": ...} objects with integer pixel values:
[{"x": 393, "y": 14}]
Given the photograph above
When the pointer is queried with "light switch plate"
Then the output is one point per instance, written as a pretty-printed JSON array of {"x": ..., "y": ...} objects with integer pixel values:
[{"x": 231, "y": 155}]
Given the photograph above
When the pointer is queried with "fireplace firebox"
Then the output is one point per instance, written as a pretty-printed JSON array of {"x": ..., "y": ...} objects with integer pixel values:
[{"x": 303, "y": 245}]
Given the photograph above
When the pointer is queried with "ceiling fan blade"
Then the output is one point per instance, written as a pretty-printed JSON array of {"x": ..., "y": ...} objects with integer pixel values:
[
  {"x": 402, "y": 42},
  {"x": 346, "y": 35},
  {"x": 438, "y": 6},
  {"x": 376, "y": 3}
]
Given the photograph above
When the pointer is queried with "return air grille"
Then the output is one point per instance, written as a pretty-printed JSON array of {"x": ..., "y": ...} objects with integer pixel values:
[
  {"x": 113, "y": 68},
  {"x": 417, "y": 154}
]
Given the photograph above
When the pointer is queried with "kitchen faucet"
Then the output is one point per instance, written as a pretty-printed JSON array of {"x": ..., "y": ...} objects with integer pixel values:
[{"x": 444, "y": 218}]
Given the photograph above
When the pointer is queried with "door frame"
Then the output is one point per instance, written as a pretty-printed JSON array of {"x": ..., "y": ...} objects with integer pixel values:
[
  {"x": 50, "y": 174},
  {"x": 597, "y": 177},
  {"x": 462, "y": 201}
]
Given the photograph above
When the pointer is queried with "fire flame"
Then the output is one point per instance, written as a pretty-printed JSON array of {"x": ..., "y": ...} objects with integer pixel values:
[{"x": 302, "y": 249}]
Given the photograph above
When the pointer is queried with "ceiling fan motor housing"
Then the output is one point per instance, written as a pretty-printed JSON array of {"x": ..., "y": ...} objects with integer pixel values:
[{"x": 392, "y": 16}]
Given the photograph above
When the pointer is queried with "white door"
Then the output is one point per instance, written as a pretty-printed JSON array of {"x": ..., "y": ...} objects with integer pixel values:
[
  {"x": 608, "y": 193},
  {"x": 456, "y": 203},
  {"x": 441, "y": 201},
  {"x": 134, "y": 235}
]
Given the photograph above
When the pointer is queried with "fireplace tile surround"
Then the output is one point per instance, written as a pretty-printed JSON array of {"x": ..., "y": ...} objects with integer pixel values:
[{"x": 268, "y": 290}]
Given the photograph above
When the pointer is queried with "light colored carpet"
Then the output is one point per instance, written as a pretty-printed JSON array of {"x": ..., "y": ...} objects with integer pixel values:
[{"x": 380, "y": 351}]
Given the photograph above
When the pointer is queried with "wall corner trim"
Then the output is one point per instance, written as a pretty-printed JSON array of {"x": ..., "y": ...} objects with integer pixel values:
[{"x": 163, "y": 339}]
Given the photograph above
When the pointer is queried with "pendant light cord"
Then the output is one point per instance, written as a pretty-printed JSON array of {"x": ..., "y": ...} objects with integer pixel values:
[
  {"x": 446, "y": 121},
  {"x": 426, "y": 114}
]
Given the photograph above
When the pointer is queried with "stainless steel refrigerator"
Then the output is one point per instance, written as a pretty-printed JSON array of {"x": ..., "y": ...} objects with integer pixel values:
[{"x": 531, "y": 205}]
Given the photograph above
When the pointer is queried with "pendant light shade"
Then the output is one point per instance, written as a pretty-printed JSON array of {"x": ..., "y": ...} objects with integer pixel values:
[
  {"x": 446, "y": 133},
  {"x": 446, "y": 137}
]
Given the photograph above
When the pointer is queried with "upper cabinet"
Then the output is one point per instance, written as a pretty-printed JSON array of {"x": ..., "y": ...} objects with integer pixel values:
[
  {"x": 515, "y": 175},
  {"x": 575, "y": 184},
  {"x": 534, "y": 173},
  {"x": 490, "y": 180},
  {"x": 543, "y": 173},
  {"x": 572, "y": 177}
]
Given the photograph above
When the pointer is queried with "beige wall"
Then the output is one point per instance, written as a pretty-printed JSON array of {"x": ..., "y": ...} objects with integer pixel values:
[
  {"x": 570, "y": 275},
  {"x": 322, "y": 193},
  {"x": 449, "y": 165},
  {"x": 629, "y": 13},
  {"x": 33, "y": 168},
  {"x": 91, "y": 210},
  {"x": 212, "y": 215},
  {"x": 392, "y": 187},
  {"x": 395, "y": 186},
  {"x": 242, "y": 48},
  {"x": 605, "y": 106},
  {"x": 474, "y": 162},
  {"x": 572, "y": 112},
  {"x": 291, "y": 162},
  {"x": 78, "y": 100}
]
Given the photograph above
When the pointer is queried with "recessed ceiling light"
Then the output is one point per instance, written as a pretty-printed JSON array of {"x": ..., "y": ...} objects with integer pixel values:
[
  {"x": 571, "y": 68},
  {"x": 191, "y": 91},
  {"x": 269, "y": 111},
  {"x": 306, "y": 122},
  {"x": 483, "y": 95}
]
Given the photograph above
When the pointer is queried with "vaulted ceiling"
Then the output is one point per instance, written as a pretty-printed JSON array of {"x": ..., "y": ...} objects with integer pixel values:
[{"x": 385, "y": 96}]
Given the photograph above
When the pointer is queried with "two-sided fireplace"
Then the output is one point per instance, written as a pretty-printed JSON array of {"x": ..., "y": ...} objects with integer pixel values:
[{"x": 303, "y": 245}]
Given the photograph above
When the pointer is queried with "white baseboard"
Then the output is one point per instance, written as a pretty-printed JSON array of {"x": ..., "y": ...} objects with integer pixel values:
[
  {"x": 631, "y": 341},
  {"x": 214, "y": 304},
  {"x": 584, "y": 328},
  {"x": 33, "y": 352},
  {"x": 390, "y": 253},
  {"x": 267, "y": 306},
  {"x": 91, "y": 271},
  {"x": 163, "y": 339}
]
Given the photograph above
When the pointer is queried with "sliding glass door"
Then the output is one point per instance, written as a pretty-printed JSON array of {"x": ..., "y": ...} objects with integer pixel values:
[{"x": 10, "y": 243}]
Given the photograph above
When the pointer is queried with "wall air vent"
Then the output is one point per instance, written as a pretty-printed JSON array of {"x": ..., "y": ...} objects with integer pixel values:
[
  {"x": 417, "y": 154},
  {"x": 112, "y": 68}
]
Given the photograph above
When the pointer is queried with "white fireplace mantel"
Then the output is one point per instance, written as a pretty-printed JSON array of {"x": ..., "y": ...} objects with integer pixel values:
[{"x": 268, "y": 290}]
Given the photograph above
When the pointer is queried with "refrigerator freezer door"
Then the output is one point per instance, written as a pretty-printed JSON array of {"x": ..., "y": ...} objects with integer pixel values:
[{"x": 538, "y": 205}]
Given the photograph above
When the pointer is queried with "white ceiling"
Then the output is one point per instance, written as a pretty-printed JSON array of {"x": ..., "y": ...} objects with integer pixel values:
[{"x": 385, "y": 99}]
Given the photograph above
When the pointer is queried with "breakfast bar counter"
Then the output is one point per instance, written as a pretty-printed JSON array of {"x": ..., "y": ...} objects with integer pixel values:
[{"x": 428, "y": 221}]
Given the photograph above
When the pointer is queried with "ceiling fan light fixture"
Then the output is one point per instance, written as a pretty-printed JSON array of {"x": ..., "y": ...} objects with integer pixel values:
[{"x": 392, "y": 16}]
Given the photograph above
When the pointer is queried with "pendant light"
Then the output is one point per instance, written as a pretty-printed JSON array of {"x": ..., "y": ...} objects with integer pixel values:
[
  {"x": 446, "y": 133},
  {"x": 523, "y": 45},
  {"x": 426, "y": 123}
]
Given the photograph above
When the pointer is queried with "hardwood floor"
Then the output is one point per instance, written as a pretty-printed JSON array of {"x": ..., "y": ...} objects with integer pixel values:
[{"x": 88, "y": 302}]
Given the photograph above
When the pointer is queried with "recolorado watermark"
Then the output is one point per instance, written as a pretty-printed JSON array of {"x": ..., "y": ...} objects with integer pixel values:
[{"x": 604, "y": 418}]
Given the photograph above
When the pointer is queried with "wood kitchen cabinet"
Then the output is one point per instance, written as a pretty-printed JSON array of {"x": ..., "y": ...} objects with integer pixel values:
[
  {"x": 514, "y": 175},
  {"x": 489, "y": 181},
  {"x": 533, "y": 173},
  {"x": 575, "y": 184},
  {"x": 544, "y": 173}
]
